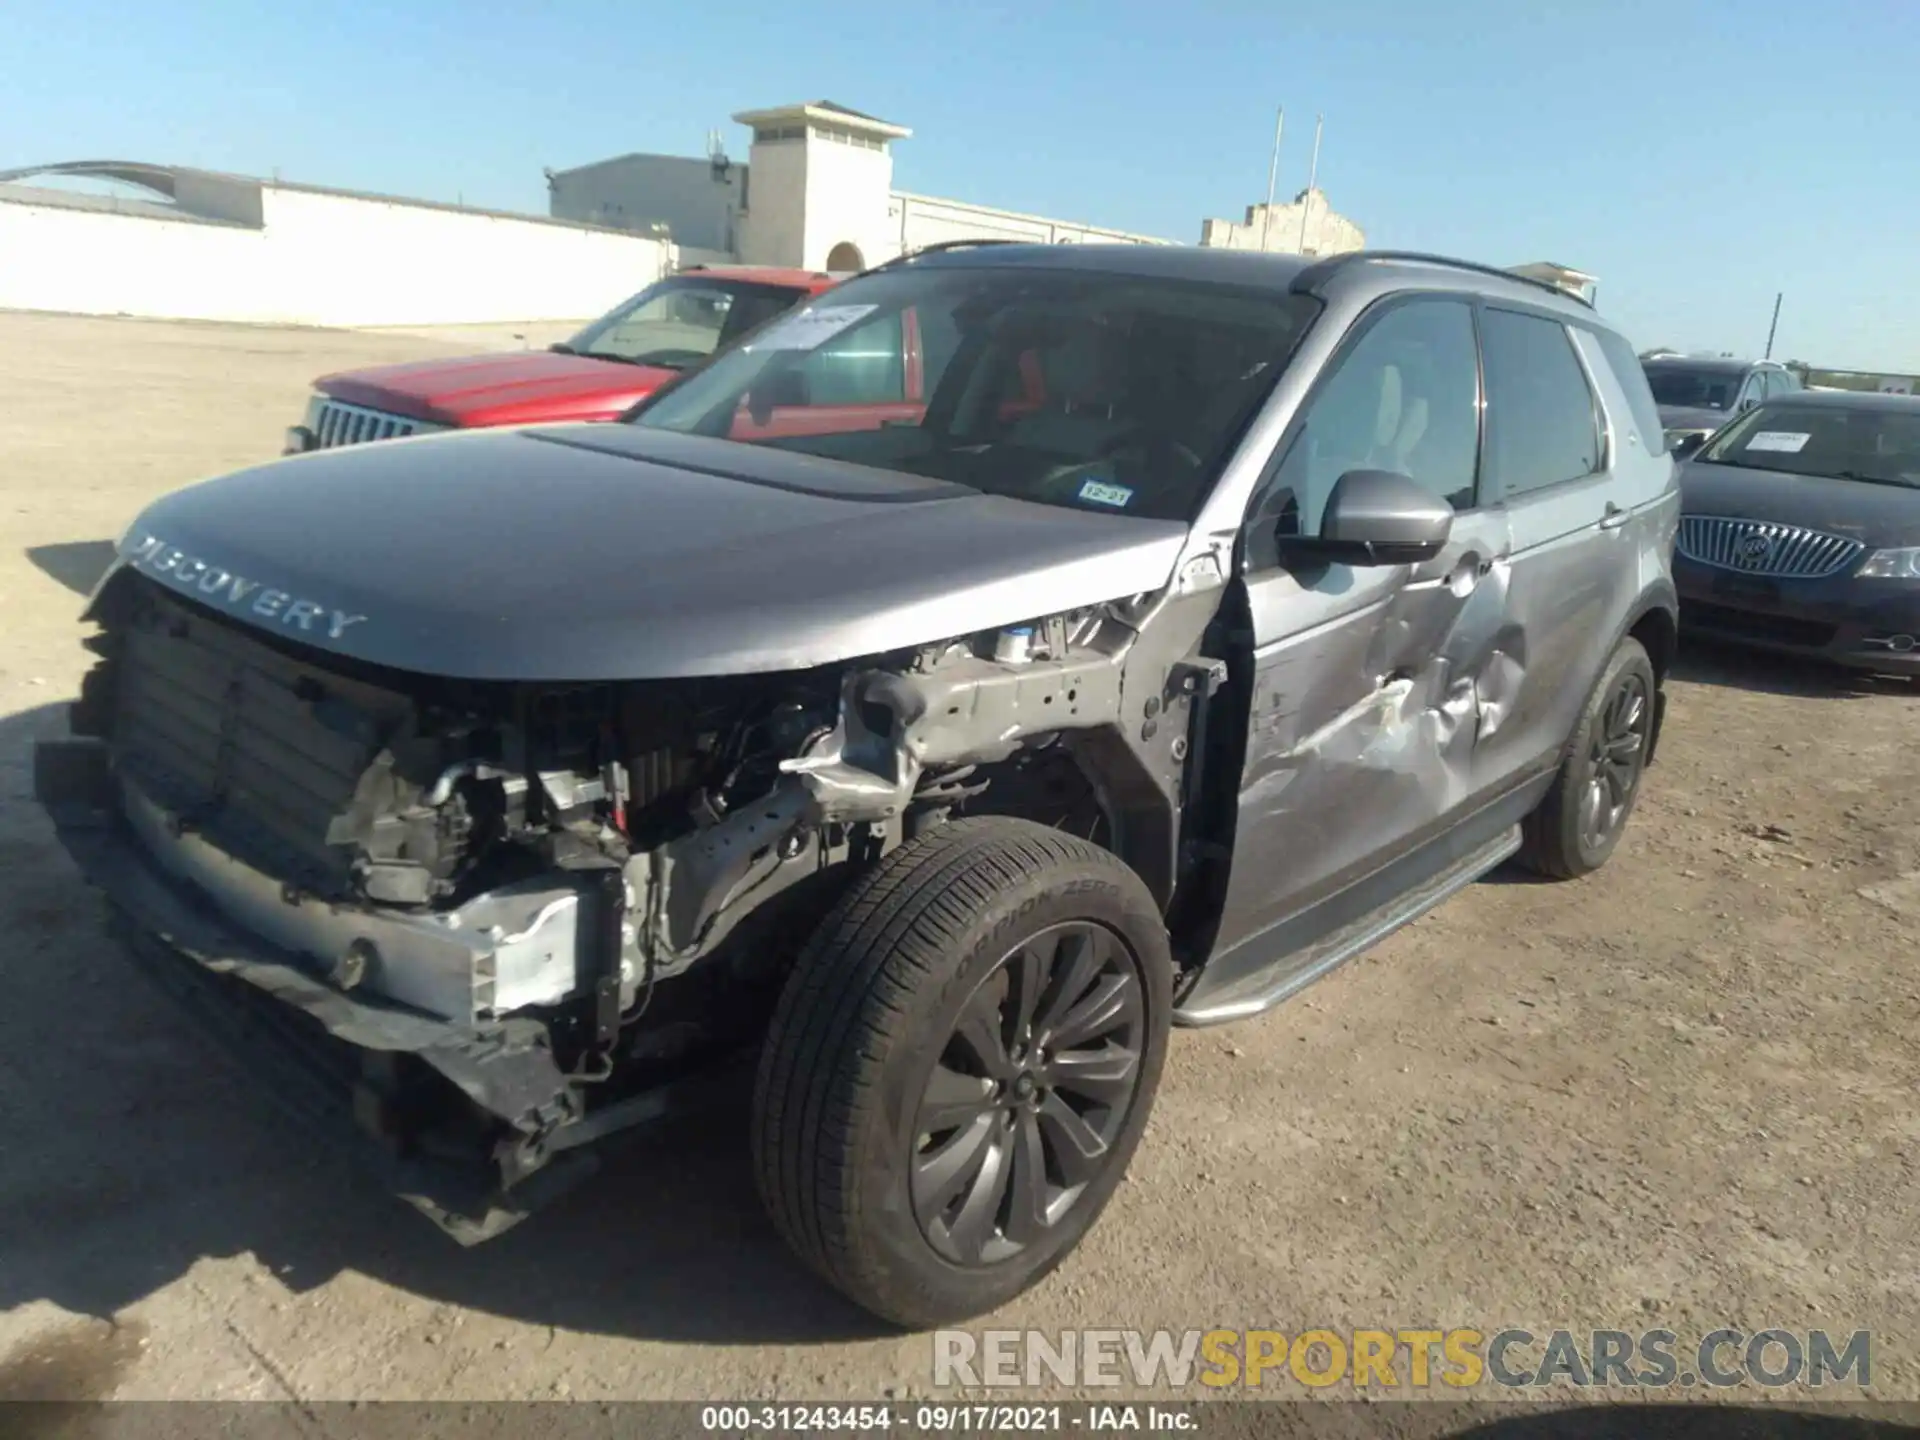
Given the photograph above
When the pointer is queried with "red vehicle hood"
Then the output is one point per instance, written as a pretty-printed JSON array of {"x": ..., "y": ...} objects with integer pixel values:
[{"x": 522, "y": 388}]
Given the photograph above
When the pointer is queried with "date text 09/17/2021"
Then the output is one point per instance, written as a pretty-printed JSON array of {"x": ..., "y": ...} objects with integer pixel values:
[{"x": 941, "y": 1418}]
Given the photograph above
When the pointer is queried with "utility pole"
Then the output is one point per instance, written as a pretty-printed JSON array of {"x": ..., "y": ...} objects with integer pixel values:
[
  {"x": 1775, "y": 325},
  {"x": 1273, "y": 168},
  {"x": 1313, "y": 174}
]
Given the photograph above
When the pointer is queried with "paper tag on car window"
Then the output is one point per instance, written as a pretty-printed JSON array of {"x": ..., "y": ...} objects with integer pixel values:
[
  {"x": 812, "y": 329},
  {"x": 1788, "y": 441},
  {"x": 1101, "y": 492}
]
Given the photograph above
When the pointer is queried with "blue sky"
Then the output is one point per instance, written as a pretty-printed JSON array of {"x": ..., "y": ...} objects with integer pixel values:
[{"x": 1696, "y": 156}]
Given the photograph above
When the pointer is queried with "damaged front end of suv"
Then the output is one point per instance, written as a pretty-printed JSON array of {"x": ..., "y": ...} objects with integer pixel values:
[
  {"x": 933, "y": 699},
  {"x": 938, "y": 696},
  {"x": 489, "y": 922}
]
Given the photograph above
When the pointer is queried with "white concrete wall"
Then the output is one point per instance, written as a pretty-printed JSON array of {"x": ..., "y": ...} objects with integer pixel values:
[
  {"x": 1327, "y": 232},
  {"x": 772, "y": 229},
  {"x": 320, "y": 259},
  {"x": 807, "y": 195},
  {"x": 919, "y": 220},
  {"x": 847, "y": 193}
]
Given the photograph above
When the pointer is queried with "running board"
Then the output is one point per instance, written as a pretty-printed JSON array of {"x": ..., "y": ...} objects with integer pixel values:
[{"x": 1260, "y": 992}]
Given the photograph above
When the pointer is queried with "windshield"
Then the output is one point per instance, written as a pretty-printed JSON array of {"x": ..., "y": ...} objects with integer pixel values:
[
  {"x": 1065, "y": 386},
  {"x": 680, "y": 322},
  {"x": 1693, "y": 389},
  {"x": 1877, "y": 444}
]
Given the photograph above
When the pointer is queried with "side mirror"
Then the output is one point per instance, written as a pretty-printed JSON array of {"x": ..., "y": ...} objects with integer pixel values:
[
  {"x": 1687, "y": 445},
  {"x": 1378, "y": 517},
  {"x": 786, "y": 387}
]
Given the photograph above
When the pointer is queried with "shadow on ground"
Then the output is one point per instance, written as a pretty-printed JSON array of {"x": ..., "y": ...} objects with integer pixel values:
[
  {"x": 1703, "y": 662},
  {"x": 134, "y": 1151},
  {"x": 76, "y": 564}
]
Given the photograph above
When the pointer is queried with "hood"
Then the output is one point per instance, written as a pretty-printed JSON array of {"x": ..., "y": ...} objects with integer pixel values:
[
  {"x": 602, "y": 552},
  {"x": 1879, "y": 516},
  {"x": 1692, "y": 417},
  {"x": 521, "y": 388}
]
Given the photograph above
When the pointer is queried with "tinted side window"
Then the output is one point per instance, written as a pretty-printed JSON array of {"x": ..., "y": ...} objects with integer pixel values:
[
  {"x": 862, "y": 366},
  {"x": 1404, "y": 398},
  {"x": 939, "y": 338},
  {"x": 1632, "y": 377},
  {"x": 1542, "y": 426}
]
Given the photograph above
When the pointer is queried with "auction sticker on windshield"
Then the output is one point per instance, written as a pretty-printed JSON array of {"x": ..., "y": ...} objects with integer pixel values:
[
  {"x": 812, "y": 329},
  {"x": 1787, "y": 441}
]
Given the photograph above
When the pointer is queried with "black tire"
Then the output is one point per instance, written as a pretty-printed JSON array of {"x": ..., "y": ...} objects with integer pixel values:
[
  {"x": 878, "y": 1015},
  {"x": 1611, "y": 741}
]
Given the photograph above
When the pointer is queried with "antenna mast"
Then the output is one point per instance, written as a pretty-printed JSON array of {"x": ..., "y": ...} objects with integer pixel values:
[
  {"x": 1313, "y": 175},
  {"x": 1273, "y": 168}
]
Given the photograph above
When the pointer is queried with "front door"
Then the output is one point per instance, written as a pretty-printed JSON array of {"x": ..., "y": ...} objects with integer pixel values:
[{"x": 1367, "y": 682}]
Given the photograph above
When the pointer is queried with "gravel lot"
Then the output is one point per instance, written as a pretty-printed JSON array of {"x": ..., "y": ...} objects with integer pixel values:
[{"x": 1681, "y": 1093}]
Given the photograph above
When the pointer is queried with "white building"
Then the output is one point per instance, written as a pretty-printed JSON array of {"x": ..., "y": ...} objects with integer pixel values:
[
  {"x": 816, "y": 191},
  {"x": 1309, "y": 226}
]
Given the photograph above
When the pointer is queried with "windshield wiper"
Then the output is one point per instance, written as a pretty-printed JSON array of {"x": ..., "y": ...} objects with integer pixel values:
[{"x": 560, "y": 347}]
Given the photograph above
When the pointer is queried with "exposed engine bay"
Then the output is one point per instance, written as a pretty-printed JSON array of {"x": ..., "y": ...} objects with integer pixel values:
[{"x": 627, "y": 866}]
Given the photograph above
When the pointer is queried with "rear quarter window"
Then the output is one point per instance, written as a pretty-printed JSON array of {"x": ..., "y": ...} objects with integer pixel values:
[
  {"x": 1633, "y": 381},
  {"x": 1543, "y": 425}
]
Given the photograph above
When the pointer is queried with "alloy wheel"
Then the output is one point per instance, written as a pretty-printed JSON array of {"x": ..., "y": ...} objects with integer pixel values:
[
  {"x": 1615, "y": 757},
  {"x": 1030, "y": 1093}
]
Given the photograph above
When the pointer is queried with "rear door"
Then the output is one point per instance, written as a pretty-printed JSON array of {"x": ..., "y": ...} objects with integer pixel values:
[{"x": 1576, "y": 483}]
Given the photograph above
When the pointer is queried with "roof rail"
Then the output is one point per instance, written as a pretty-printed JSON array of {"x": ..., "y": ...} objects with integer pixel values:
[
  {"x": 1318, "y": 273},
  {"x": 937, "y": 247}
]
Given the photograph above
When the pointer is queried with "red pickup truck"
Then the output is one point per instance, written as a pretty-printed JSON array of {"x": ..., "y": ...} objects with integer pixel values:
[{"x": 599, "y": 374}]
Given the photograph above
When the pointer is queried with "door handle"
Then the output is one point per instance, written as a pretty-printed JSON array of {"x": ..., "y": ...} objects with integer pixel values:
[{"x": 1614, "y": 517}]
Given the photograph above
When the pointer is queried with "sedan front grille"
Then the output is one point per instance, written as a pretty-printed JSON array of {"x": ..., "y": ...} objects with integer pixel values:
[
  {"x": 1760, "y": 547},
  {"x": 338, "y": 423}
]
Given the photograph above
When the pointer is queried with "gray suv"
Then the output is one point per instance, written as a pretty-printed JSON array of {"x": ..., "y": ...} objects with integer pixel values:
[
  {"x": 1697, "y": 396},
  {"x": 921, "y": 764}
]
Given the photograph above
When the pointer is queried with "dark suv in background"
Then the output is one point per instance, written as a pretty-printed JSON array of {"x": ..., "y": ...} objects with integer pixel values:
[{"x": 1697, "y": 396}]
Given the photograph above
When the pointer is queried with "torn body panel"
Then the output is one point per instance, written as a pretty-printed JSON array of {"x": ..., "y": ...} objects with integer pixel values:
[
  {"x": 1114, "y": 687},
  {"x": 1371, "y": 693}
]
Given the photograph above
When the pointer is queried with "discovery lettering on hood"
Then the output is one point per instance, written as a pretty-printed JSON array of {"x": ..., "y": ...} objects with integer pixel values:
[{"x": 154, "y": 556}]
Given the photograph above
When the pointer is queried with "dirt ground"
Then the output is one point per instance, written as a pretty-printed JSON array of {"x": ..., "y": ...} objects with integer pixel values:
[{"x": 1681, "y": 1093}]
